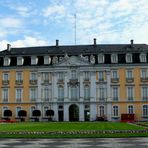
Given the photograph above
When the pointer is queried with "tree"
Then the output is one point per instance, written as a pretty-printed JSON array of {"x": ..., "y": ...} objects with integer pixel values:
[
  {"x": 22, "y": 114},
  {"x": 36, "y": 113}
]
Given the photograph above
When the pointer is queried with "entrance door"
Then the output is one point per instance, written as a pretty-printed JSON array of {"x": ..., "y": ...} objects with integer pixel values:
[
  {"x": 73, "y": 113},
  {"x": 87, "y": 115},
  {"x": 60, "y": 115}
]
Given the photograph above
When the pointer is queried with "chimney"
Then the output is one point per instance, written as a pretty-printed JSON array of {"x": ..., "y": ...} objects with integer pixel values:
[
  {"x": 94, "y": 41},
  {"x": 132, "y": 43},
  {"x": 8, "y": 47},
  {"x": 57, "y": 43}
]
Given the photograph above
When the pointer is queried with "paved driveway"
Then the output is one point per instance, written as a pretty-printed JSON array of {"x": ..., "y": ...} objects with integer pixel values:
[{"x": 75, "y": 143}]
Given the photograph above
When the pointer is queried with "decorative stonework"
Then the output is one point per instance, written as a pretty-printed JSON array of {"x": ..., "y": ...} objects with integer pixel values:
[
  {"x": 92, "y": 59},
  {"x": 55, "y": 60}
]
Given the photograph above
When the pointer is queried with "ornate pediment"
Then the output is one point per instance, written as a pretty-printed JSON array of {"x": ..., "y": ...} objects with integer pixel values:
[{"x": 73, "y": 61}]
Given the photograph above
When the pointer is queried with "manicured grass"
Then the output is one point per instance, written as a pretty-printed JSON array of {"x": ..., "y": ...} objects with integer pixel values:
[
  {"x": 66, "y": 126},
  {"x": 69, "y": 127}
]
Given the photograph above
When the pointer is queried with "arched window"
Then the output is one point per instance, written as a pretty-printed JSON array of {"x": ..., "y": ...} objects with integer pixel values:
[
  {"x": 115, "y": 111},
  {"x": 130, "y": 109},
  {"x": 45, "y": 109}
]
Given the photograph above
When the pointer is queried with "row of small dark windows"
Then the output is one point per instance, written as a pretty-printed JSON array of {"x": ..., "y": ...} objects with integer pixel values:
[{"x": 107, "y": 59}]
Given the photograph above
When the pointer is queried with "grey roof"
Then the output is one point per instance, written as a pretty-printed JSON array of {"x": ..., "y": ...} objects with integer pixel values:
[{"x": 76, "y": 49}]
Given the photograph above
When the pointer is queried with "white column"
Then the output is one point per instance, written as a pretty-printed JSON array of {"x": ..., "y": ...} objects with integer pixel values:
[
  {"x": 81, "y": 87},
  {"x": 66, "y": 112},
  {"x": 81, "y": 112},
  {"x": 54, "y": 87},
  {"x": 55, "y": 109},
  {"x": 66, "y": 88},
  {"x": 39, "y": 81},
  {"x": 108, "y": 107},
  {"x": 93, "y": 86},
  {"x": 93, "y": 111}
]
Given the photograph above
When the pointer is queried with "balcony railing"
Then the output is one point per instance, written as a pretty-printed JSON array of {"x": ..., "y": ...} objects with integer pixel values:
[
  {"x": 73, "y": 81},
  {"x": 19, "y": 100},
  {"x": 114, "y": 80},
  {"x": 19, "y": 82},
  {"x": 129, "y": 80},
  {"x": 5, "y": 100},
  {"x": 144, "y": 98},
  {"x": 60, "y": 81},
  {"x": 5, "y": 82},
  {"x": 144, "y": 79},
  {"x": 33, "y": 82},
  {"x": 60, "y": 99},
  {"x": 74, "y": 99}
]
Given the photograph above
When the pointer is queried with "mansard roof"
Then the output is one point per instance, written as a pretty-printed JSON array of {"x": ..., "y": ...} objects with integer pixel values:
[{"x": 76, "y": 49}]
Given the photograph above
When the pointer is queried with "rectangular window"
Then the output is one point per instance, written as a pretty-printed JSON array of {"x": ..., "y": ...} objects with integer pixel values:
[
  {"x": 143, "y": 73},
  {"x": 130, "y": 109},
  {"x": 101, "y": 93},
  {"x": 86, "y": 75},
  {"x": 61, "y": 76},
  {"x": 129, "y": 74},
  {"x": 45, "y": 76},
  {"x": 19, "y": 76},
  {"x": 73, "y": 74},
  {"x": 33, "y": 94},
  {"x": 115, "y": 93},
  {"x": 19, "y": 94},
  {"x": 5, "y": 76},
  {"x": 130, "y": 93},
  {"x": 145, "y": 93},
  {"x": 86, "y": 93},
  {"x": 115, "y": 111},
  {"x": 33, "y": 76},
  {"x": 145, "y": 110},
  {"x": 5, "y": 94},
  {"x": 74, "y": 93},
  {"x": 61, "y": 93},
  {"x": 101, "y": 77},
  {"x": 115, "y": 74}
]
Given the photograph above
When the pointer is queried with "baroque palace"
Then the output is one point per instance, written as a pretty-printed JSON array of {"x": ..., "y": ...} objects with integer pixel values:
[{"x": 77, "y": 82}]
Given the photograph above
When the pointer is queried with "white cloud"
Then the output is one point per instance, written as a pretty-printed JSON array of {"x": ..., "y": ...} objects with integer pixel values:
[
  {"x": 10, "y": 22},
  {"x": 26, "y": 42},
  {"x": 54, "y": 10}
]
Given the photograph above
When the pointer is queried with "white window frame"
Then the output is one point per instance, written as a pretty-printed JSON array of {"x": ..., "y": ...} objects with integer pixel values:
[
  {"x": 129, "y": 74},
  {"x": 20, "y": 61},
  {"x": 115, "y": 111},
  {"x": 61, "y": 93},
  {"x": 86, "y": 92},
  {"x": 114, "y": 74},
  {"x": 145, "y": 110},
  {"x": 115, "y": 95},
  {"x": 73, "y": 74},
  {"x": 114, "y": 58},
  {"x": 5, "y": 96},
  {"x": 130, "y": 109},
  {"x": 129, "y": 58},
  {"x": 33, "y": 76},
  {"x": 101, "y": 110},
  {"x": 74, "y": 92},
  {"x": 6, "y": 76},
  {"x": 101, "y": 58},
  {"x": 144, "y": 93},
  {"x": 19, "y": 94},
  {"x": 33, "y": 93},
  {"x": 101, "y": 75},
  {"x": 34, "y": 60},
  {"x": 144, "y": 74},
  {"x": 6, "y": 61},
  {"x": 130, "y": 93},
  {"x": 61, "y": 76},
  {"x": 143, "y": 58},
  {"x": 19, "y": 76}
]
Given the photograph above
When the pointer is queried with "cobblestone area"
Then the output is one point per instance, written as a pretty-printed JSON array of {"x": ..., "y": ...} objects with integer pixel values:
[{"x": 75, "y": 143}]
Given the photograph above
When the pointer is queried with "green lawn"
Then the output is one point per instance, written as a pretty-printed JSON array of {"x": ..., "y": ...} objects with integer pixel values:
[{"x": 66, "y": 126}]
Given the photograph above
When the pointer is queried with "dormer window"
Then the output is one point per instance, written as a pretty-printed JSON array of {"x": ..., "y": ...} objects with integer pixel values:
[
  {"x": 34, "y": 60},
  {"x": 6, "y": 61},
  {"x": 114, "y": 58},
  {"x": 47, "y": 60},
  {"x": 129, "y": 58},
  {"x": 20, "y": 60},
  {"x": 101, "y": 58},
  {"x": 143, "y": 57}
]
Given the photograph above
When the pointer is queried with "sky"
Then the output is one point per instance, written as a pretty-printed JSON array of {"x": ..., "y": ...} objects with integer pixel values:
[{"x": 26, "y": 23}]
